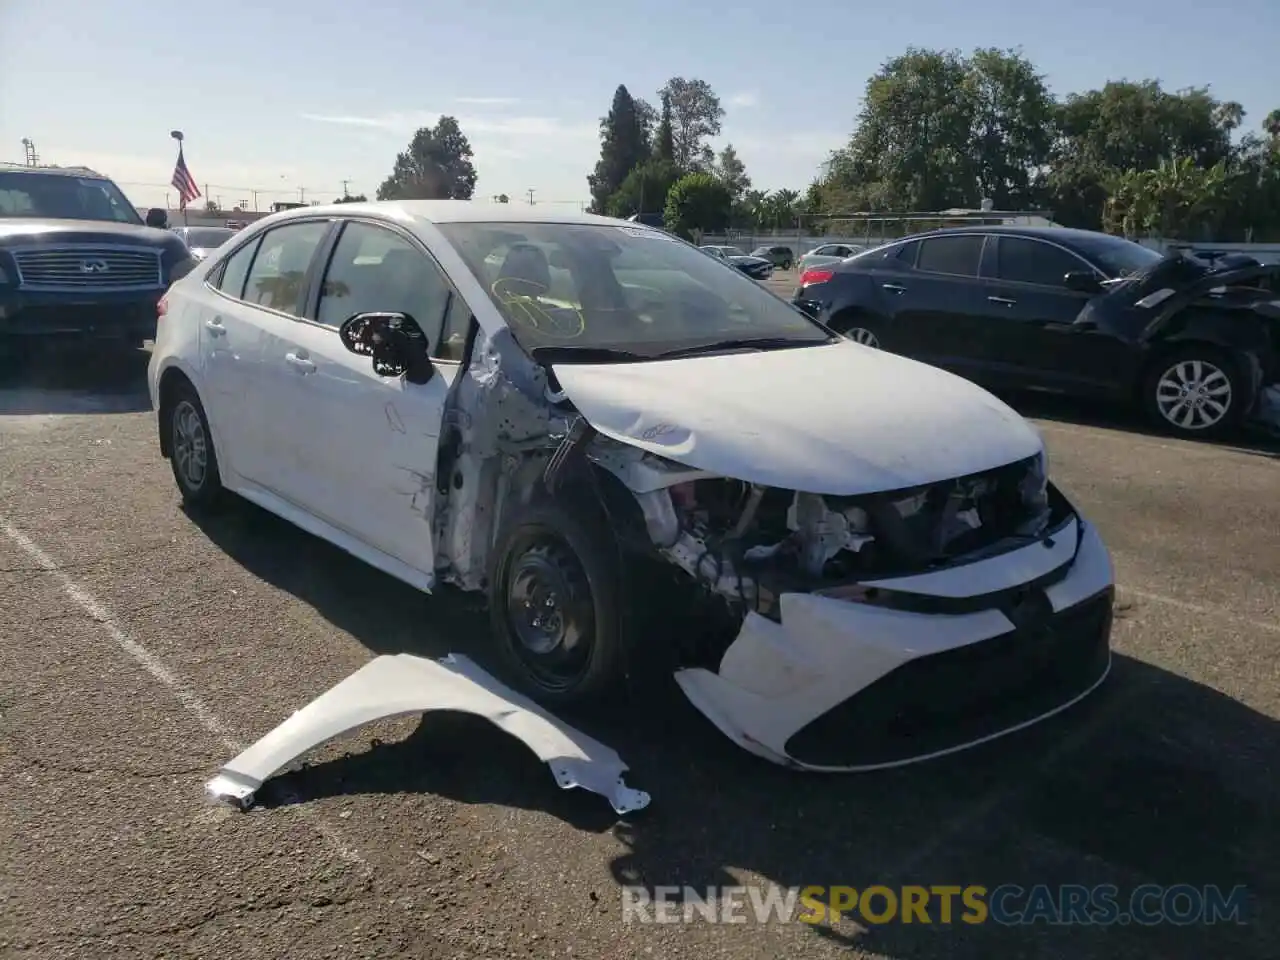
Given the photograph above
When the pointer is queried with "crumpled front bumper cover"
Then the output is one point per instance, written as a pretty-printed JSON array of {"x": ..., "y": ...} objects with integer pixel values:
[
  {"x": 897, "y": 686},
  {"x": 402, "y": 684}
]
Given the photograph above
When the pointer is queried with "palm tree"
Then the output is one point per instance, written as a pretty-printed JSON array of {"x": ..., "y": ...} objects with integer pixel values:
[{"x": 1272, "y": 124}]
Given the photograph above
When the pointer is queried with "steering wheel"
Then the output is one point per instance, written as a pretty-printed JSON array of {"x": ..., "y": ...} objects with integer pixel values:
[{"x": 522, "y": 299}]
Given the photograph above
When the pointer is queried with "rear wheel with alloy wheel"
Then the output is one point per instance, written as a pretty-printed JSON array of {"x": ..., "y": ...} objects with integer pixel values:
[
  {"x": 1195, "y": 391},
  {"x": 191, "y": 454},
  {"x": 857, "y": 326}
]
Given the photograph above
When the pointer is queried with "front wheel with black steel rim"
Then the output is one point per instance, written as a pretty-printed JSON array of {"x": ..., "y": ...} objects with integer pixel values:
[
  {"x": 191, "y": 454},
  {"x": 1195, "y": 391},
  {"x": 555, "y": 606}
]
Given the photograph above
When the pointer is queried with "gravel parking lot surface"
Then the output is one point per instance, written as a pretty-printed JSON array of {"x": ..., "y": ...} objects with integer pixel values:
[{"x": 141, "y": 648}]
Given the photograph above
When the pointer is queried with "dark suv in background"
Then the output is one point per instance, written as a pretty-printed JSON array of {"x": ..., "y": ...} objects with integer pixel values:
[
  {"x": 780, "y": 257},
  {"x": 77, "y": 264}
]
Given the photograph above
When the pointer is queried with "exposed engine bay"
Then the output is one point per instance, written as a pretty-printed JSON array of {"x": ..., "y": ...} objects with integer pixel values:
[{"x": 750, "y": 544}]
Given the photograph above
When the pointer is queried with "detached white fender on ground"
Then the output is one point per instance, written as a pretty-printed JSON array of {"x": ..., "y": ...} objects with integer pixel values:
[{"x": 401, "y": 684}]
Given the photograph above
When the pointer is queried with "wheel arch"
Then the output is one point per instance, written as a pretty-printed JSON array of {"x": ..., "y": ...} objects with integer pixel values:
[
  {"x": 174, "y": 374},
  {"x": 172, "y": 378}
]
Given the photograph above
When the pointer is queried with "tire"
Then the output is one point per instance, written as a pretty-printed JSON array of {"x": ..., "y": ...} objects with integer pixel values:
[
  {"x": 190, "y": 440},
  {"x": 577, "y": 655},
  {"x": 786, "y": 264},
  {"x": 859, "y": 328},
  {"x": 1204, "y": 378}
]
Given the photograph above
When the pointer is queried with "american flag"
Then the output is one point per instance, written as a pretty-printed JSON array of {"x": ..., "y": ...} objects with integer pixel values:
[{"x": 184, "y": 183}]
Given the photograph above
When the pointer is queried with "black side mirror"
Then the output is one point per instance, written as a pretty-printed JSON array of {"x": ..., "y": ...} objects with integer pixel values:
[
  {"x": 158, "y": 217},
  {"x": 1082, "y": 281},
  {"x": 394, "y": 342}
]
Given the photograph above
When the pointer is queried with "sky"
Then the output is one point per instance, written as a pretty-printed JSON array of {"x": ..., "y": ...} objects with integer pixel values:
[{"x": 290, "y": 98}]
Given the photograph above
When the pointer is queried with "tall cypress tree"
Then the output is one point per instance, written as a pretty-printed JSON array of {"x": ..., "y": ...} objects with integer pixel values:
[
  {"x": 666, "y": 142},
  {"x": 622, "y": 148}
]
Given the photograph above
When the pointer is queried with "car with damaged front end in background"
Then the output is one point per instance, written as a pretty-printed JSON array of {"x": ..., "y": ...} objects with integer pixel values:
[
  {"x": 646, "y": 462},
  {"x": 1191, "y": 340}
]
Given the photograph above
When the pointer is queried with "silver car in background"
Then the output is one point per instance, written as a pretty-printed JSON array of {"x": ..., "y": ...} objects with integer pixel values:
[
  {"x": 201, "y": 241},
  {"x": 827, "y": 253}
]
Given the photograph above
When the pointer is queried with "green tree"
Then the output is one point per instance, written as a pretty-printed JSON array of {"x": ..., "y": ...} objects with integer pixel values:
[
  {"x": 664, "y": 147},
  {"x": 502, "y": 198},
  {"x": 353, "y": 198},
  {"x": 623, "y": 146},
  {"x": 1252, "y": 205},
  {"x": 697, "y": 203},
  {"x": 1129, "y": 125},
  {"x": 645, "y": 189},
  {"x": 939, "y": 130},
  {"x": 733, "y": 172},
  {"x": 750, "y": 209},
  {"x": 696, "y": 116},
  {"x": 1176, "y": 200},
  {"x": 1272, "y": 125},
  {"x": 911, "y": 148},
  {"x": 436, "y": 166},
  {"x": 1011, "y": 126},
  {"x": 780, "y": 209}
]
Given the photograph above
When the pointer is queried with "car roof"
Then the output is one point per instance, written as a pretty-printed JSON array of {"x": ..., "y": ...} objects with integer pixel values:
[
  {"x": 452, "y": 211},
  {"x": 1065, "y": 235},
  {"x": 81, "y": 172}
]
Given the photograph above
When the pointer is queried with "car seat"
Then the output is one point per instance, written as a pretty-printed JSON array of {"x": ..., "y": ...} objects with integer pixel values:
[
  {"x": 411, "y": 288},
  {"x": 526, "y": 262}
]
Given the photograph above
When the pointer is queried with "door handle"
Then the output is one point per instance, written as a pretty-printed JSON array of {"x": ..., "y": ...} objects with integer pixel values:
[
  {"x": 215, "y": 327},
  {"x": 301, "y": 363},
  {"x": 894, "y": 288},
  {"x": 1005, "y": 300}
]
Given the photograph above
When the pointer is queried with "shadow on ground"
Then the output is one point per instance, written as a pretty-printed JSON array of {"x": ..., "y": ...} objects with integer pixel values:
[
  {"x": 106, "y": 380},
  {"x": 1156, "y": 779}
]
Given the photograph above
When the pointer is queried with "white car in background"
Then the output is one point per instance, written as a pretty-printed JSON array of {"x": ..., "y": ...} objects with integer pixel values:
[
  {"x": 613, "y": 437},
  {"x": 827, "y": 253}
]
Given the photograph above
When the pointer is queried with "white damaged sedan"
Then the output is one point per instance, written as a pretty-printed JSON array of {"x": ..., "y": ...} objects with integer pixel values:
[{"x": 850, "y": 560}]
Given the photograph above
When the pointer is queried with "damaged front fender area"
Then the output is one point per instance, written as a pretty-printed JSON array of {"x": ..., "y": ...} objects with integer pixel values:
[{"x": 393, "y": 686}]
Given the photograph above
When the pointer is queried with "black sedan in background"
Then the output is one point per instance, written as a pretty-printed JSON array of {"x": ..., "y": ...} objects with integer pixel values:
[
  {"x": 1192, "y": 341},
  {"x": 757, "y": 268}
]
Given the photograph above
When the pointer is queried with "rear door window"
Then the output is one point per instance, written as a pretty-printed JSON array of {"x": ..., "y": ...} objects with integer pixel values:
[
  {"x": 236, "y": 269},
  {"x": 957, "y": 256},
  {"x": 278, "y": 275}
]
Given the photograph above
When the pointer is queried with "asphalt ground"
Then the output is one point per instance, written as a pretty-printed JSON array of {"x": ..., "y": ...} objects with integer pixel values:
[{"x": 141, "y": 648}]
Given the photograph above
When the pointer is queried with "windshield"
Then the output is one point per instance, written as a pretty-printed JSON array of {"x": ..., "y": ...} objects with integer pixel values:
[
  {"x": 59, "y": 196},
  {"x": 629, "y": 289},
  {"x": 1116, "y": 256},
  {"x": 204, "y": 238}
]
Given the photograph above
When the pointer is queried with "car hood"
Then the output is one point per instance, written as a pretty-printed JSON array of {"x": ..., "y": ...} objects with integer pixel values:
[
  {"x": 839, "y": 419},
  {"x": 748, "y": 261},
  {"x": 42, "y": 230}
]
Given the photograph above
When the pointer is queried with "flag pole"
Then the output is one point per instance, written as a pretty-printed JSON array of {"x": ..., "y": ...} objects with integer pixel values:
[{"x": 178, "y": 135}]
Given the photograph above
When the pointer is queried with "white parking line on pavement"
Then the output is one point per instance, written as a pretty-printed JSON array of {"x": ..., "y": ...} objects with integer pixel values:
[
  {"x": 97, "y": 612},
  {"x": 1205, "y": 610}
]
